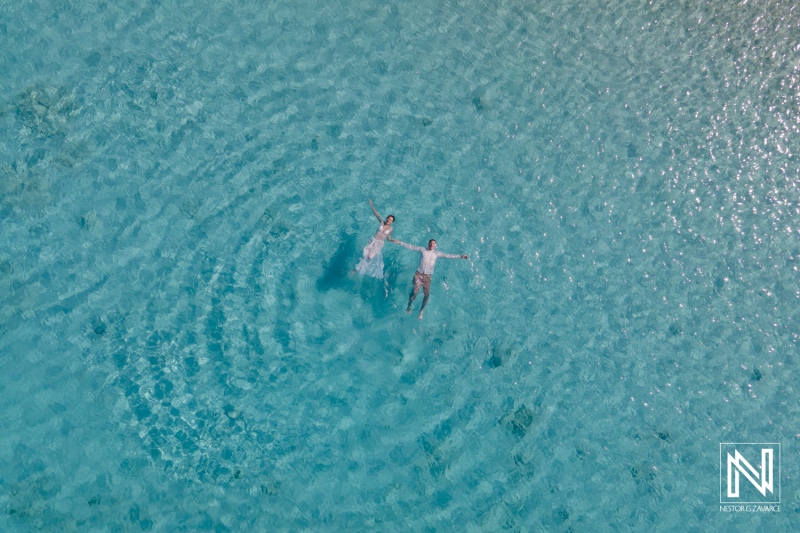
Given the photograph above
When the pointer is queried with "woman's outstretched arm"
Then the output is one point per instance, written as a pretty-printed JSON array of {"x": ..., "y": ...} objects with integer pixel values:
[{"x": 375, "y": 211}]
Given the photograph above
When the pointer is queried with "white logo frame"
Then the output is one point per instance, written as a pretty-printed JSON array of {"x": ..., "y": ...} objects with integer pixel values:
[{"x": 738, "y": 462}]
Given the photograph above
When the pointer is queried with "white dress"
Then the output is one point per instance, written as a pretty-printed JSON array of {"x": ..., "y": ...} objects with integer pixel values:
[{"x": 371, "y": 263}]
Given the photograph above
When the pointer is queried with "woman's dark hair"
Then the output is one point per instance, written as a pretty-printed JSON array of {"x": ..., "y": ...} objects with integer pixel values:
[{"x": 391, "y": 216}]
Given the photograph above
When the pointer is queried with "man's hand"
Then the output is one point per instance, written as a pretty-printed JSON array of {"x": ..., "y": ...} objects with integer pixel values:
[{"x": 465, "y": 256}]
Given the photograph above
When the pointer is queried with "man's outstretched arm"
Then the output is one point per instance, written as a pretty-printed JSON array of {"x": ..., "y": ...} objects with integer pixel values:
[
  {"x": 451, "y": 256},
  {"x": 406, "y": 245}
]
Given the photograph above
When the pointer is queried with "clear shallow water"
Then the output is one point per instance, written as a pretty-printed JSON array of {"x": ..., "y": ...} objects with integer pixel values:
[{"x": 184, "y": 192}]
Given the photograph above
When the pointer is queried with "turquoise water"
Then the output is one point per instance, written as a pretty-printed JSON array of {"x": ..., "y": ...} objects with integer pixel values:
[{"x": 183, "y": 194}]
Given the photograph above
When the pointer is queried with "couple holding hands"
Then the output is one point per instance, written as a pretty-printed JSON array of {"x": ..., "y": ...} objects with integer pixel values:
[{"x": 371, "y": 263}]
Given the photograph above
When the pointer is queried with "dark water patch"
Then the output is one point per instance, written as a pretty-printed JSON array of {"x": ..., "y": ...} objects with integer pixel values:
[
  {"x": 560, "y": 515},
  {"x": 6, "y": 268},
  {"x": 162, "y": 389},
  {"x": 442, "y": 498},
  {"x": 253, "y": 341},
  {"x": 282, "y": 334},
  {"x": 519, "y": 421},
  {"x": 336, "y": 269},
  {"x": 646, "y": 478},
  {"x": 44, "y": 109},
  {"x": 92, "y": 59},
  {"x": 495, "y": 361}
]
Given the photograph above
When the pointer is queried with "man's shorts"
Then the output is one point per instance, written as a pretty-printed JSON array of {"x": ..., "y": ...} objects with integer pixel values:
[{"x": 422, "y": 280}]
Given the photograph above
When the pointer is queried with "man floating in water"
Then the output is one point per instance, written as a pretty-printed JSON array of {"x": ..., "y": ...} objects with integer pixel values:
[{"x": 422, "y": 277}]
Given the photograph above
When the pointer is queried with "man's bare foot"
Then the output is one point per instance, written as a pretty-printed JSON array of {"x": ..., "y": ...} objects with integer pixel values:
[
  {"x": 408, "y": 310},
  {"x": 420, "y": 315}
]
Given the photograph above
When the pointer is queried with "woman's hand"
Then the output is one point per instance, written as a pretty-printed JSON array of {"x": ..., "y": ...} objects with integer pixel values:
[{"x": 377, "y": 215}]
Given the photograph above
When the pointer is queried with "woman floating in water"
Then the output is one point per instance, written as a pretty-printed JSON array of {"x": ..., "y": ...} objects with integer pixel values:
[{"x": 371, "y": 263}]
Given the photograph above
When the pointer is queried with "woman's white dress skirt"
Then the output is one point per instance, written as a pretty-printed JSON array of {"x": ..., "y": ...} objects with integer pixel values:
[{"x": 371, "y": 263}]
